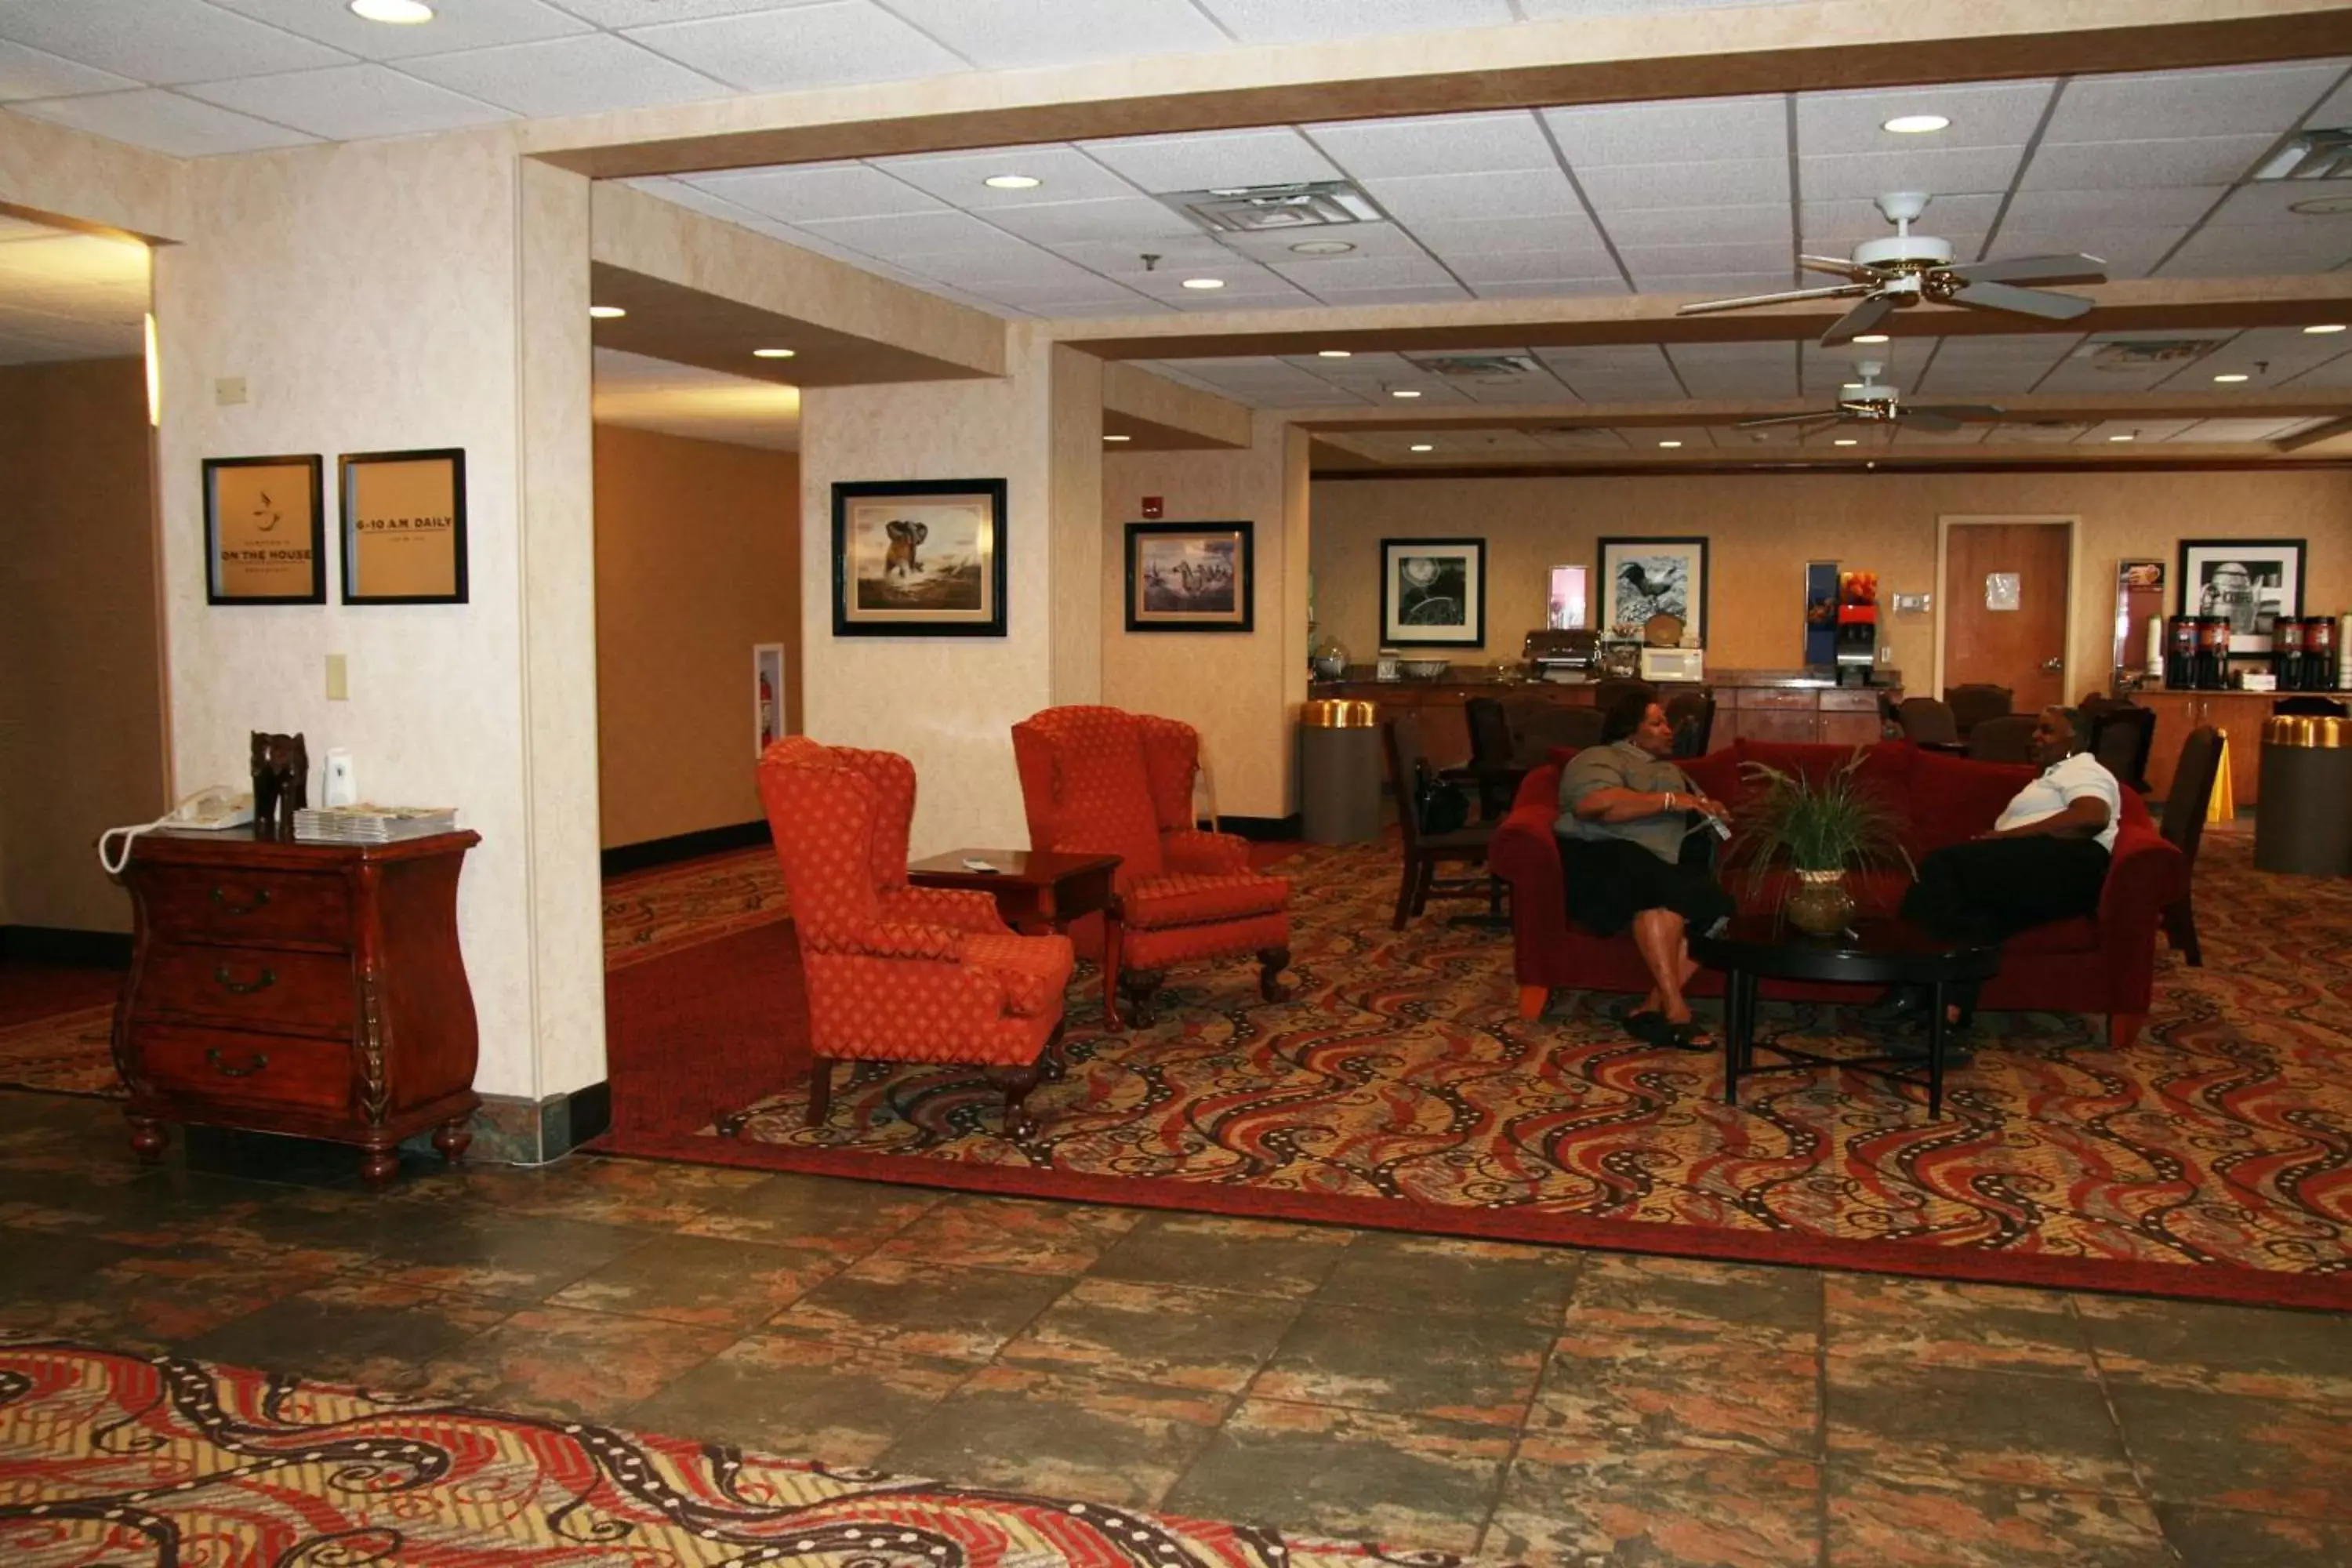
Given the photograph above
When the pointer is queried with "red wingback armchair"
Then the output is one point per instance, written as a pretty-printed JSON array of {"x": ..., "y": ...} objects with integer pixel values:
[
  {"x": 2105, "y": 964},
  {"x": 1102, "y": 781},
  {"x": 895, "y": 972}
]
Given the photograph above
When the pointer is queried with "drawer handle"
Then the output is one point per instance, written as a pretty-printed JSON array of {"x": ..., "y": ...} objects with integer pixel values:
[
  {"x": 244, "y": 987},
  {"x": 260, "y": 899},
  {"x": 222, "y": 1067}
]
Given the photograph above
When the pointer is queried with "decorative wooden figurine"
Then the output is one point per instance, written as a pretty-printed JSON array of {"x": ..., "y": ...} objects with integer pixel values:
[{"x": 281, "y": 783}]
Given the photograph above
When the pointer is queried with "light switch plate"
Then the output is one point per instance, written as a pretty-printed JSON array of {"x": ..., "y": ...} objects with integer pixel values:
[
  {"x": 338, "y": 683},
  {"x": 228, "y": 390},
  {"x": 1912, "y": 603}
]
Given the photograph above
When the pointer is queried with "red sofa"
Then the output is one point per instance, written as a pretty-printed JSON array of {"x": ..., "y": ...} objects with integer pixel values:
[{"x": 2103, "y": 965}]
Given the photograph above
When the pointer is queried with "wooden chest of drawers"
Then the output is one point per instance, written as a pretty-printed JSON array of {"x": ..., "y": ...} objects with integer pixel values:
[{"x": 311, "y": 989}]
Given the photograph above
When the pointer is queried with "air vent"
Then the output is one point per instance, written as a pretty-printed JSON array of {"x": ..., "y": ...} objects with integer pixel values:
[
  {"x": 2139, "y": 353},
  {"x": 1258, "y": 209},
  {"x": 2312, "y": 155},
  {"x": 1488, "y": 368}
]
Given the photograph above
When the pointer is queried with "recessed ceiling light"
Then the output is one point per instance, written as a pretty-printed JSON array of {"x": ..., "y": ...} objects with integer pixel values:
[
  {"x": 2324, "y": 327},
  {"x": 1915, "y": 124},
  {"x": 606, "y": 313},
  {"x": 1321, "y": 247},
  {"x": 1404, "y": 391},
  {"x": 1351, "y": 353},
  {"x": 1424, "y": 446},
  {"x": 1118, "y": 437},
  {"x": 1012, "y": 182},
  {"x": 1872, "y": 338},
  {"x": 774, "y": 354},
  {"x": 2322, "y": 207},
  {"x": 1670, "y": 443},
  {"x": 1204, "y": 282},
  {"x": 2232, "y": 376},
  {"x": 402, "y": 13},
  {"x": 1844, "y": 441},
  {"x": 2118, "y": 437}
]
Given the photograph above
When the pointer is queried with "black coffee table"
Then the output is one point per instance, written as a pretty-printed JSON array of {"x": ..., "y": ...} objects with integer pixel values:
[{"x": 1873, "y": 951}]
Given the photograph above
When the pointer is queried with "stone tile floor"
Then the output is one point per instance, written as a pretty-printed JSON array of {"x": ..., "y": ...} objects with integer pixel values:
[{"x": 1587, "y": 1409}]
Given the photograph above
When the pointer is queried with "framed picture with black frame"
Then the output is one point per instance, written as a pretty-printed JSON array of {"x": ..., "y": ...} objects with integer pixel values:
[
  {"x": 404, "y": 517},
  {"x": 1433, "y": 593},
  {"x": 2252, "y": 582},
  {"x": 1642, "y": 579},
  {"x": 265, "y": 530},
  {"x": 918, "y": 558},
  {"x": 1191, "y": 577}
]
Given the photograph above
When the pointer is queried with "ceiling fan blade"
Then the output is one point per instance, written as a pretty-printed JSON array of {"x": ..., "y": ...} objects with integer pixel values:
[
  {"x": 2076, "y": 269},
  {"x": 1926, "y": 419},
  {"x": 2025, "y": 301},
  {"x": 1702, "y": 307},
  {"x": 1863, "y": 318},
  {"x": 1836, "y": 264},
  {"x": 1957, "y": 410},
  {"x": 1825, "y": 416}
]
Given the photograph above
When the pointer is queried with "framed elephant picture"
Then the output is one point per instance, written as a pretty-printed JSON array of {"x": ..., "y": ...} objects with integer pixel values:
[{"x": 918, "y": 558}]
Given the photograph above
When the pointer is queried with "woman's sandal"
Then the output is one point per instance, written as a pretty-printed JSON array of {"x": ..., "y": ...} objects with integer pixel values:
[
  {"x": 1649, "y": 1026},
  {"x": 1690, "y": 1036}
]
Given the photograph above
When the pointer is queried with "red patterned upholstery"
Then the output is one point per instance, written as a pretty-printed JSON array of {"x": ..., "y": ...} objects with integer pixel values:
[
  {"x": 1104, "y": 781},
  {"x": 895, "y": 972}
]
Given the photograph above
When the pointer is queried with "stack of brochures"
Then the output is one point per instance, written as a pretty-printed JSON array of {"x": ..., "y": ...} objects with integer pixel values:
[{"x": 366, "y": 823}]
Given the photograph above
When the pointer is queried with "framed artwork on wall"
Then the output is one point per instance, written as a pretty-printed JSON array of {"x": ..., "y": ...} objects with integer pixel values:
[
  {"x": 2251, "y": 581},
  {"x": 1191, "y": 577},
  {"x": 404, "y": 526},
  {"x": 265, "y": 530},
  {"x": 1642, "y": 578},
  {"x": 1433, "y": 593},
  {"x": 918, "y": 558},
  {"x": 767, "y": 696}
]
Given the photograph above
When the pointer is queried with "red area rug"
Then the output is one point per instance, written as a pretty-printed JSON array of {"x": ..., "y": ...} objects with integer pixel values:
[
  {"x": 108, "y": 1459},
  {"x": 1398, "y": 1088}
]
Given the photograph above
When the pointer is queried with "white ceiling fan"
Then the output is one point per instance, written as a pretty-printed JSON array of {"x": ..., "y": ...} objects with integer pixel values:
[
  {"x": 1892, "y": 274},
  {"x": 1868, "y": 402}
]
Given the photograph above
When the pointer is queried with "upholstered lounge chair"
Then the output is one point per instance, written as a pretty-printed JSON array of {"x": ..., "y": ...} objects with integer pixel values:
[
  {"x": 895, "y": 972},
  {"x": 1103, "y": 781}
]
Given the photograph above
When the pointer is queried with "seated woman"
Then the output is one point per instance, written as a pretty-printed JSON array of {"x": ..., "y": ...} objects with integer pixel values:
[{"x": 1631, "y": 854}]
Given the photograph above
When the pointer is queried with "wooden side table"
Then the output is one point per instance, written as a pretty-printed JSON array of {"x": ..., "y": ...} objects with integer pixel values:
[
  {"x": 1040, "y": 889},
  {"x": 298, "y": 987}
]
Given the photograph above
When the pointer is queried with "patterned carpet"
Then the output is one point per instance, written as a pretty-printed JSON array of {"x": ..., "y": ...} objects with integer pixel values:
[
  {"x": 65, "y": 1052},
  {"x": 649, "y": 913},
  {"x": 111, "y": 1459},
  {"x": 1398, "y": 1088}
]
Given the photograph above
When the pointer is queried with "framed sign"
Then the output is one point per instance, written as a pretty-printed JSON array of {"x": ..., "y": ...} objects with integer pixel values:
[
  {"x": 1642, "y": 578},
  {"x": 265, "y": 530},
  {"x": 918, "y": 558},
  {"x": 404, "y": 527},
  {"x": 1190, "y": 577},
  {"x": 1433, "y": 593},
  {"x": 2251, "y": 581}
]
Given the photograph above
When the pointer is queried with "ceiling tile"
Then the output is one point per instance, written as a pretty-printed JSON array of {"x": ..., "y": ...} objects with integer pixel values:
[
  {"x": 1699, "y": 129},
  {"x": 29, "y": 73},
  {"x": 345, "y": 103},
  {"x": 817, "y": 193},
  {"x": 2175, "y": 206},
  {"x": 1315, "y": 21},
  {"x": 1549, "y": 287},
  {"x": 1436, "y": 144},
  {"x": 1522, "y": 264},
  {"x": 2235, "y": 431},
  {"x": 1064, "y": 174},
  {"x": 1507, "y": 237},
  {"x": 1682, "y": 260},
  {"x": 160, "y": 44},
  {"x": 1710, "y": 285},
  {"x": 645, "y": 13},
  {"x": 2337, "y": 371},
  {"x": 456, "y": 24},
  {"x": 1220, "y": 159},
  {"x": 2172, "y": 161},
  {"x": 2273, "y": 202},
  {"x": 1843, "y": 225},
  {"x": 1441, "y": 198},
  {"x": 1138, "y": 220},
  {"x": 1401, "y": 294},
  {"x": 1734, "y": 180},
  {"x": 2264, "y": 250},
  {"x": 1319, "y": 277},
  {"x": 1864, "y": 175},
  {"x": 2128, "y": 252},
  {"x": 1701, "y": 226},
  {"x": 904, "y": 234},
  {"x": 1373, "y": 242},
  {"x": 1982, "y": 114},
  {"x": 162, "y": 121},
  {"x": 680, "y": 192},
  {"x": 1009, "y": 34},
  {"x": 1121, "y": 258},
  {"x": 2211, "y": 102},
  {"x": 586, "y": 75},
  {"x": 823, "y": 44},
  {"x": 2139, "y": 429}
]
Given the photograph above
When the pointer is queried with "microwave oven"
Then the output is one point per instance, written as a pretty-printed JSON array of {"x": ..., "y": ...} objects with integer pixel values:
[{"x": 1673, "y": 664}]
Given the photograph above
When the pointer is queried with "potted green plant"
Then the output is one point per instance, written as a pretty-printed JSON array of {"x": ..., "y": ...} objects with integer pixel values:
[{"x": 1821, "y": 831}]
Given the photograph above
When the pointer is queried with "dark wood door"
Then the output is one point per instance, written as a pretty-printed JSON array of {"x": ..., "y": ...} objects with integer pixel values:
[{"x": 1997, "y": 636}]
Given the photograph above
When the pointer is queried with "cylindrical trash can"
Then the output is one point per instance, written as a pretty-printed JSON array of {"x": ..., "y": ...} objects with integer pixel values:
[
  {"x": 1339, "y": 771},
  {"x": 2305, "y": 823}
]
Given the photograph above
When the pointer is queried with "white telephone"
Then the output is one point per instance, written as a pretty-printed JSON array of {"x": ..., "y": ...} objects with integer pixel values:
[{"x": 208, "y": 810}]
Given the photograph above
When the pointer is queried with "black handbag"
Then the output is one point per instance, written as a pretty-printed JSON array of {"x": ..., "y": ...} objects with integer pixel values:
[{"x": 1437, "y": 807}]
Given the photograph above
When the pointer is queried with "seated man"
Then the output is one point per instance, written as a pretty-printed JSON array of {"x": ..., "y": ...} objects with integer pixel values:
[
  {"x": 2045, "y": 858},
  {"x": 1632, "y": 856}
]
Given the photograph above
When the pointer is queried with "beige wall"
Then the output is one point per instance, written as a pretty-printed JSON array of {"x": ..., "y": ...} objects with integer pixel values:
[
  {"x": 697, "y": 558},
  {"x": 1760, "y": 528},
  {"x": 81, "y": 703}
]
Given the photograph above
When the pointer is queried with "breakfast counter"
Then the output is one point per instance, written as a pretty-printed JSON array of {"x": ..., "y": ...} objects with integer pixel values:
[{"x": 1762, "y": 704}]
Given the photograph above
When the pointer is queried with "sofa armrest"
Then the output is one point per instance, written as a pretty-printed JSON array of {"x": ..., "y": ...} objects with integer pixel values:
[
  {"x": 1526, "y": 854},
  {"x": 893, "y": 939},
  {"x": 958, "y": 909},
  {"x": 2145, "y": 873},
  {"x": 1199, "y": 854}
]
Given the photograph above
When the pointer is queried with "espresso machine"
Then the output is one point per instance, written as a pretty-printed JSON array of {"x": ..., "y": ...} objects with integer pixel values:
[{"x": 1568, "y": 653}]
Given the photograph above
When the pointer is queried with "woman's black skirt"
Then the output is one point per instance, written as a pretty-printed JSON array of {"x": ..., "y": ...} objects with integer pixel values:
[{"x": 1611, "y": 880}]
